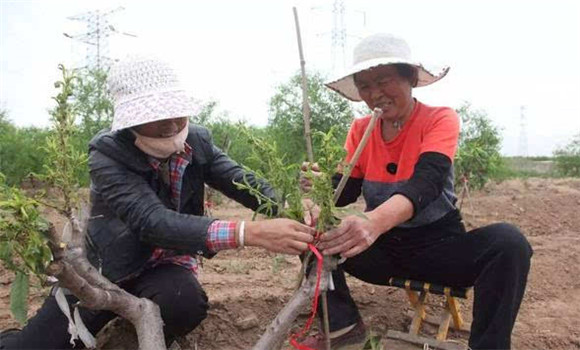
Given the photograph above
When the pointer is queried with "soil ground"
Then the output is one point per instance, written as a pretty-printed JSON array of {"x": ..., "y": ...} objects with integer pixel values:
[{"x": 247, "y": 288}]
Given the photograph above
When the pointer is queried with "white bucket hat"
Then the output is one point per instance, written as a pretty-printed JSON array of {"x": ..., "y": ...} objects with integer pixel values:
[
  {"x": 377, "y": 50},
  {"x": 145, "y": 90}
]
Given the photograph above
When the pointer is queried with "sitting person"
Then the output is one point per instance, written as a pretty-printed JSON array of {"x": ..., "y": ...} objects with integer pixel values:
[
  {"x": 147, "y": 230},
  {"x": 413, "y": 229}
]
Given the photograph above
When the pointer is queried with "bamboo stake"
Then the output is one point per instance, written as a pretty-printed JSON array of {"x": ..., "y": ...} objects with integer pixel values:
[
  {"x": 308, "y": 139},
  {"x": 305, "y": 105},
  {"x": 363, "y": 142},
  {"x": 325, "y": 320}
]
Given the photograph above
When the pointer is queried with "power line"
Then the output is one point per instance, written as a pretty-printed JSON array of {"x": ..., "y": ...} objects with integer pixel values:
[
  {"x": 339, "y": 33},
  {"x": 338, "y": 36},
  {"x": 96, "y": 36}
]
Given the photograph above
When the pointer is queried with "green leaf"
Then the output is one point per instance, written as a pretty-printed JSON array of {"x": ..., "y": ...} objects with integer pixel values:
[
  {"x": 5, "y": 251},
  {"x": 19, "y": 298}
]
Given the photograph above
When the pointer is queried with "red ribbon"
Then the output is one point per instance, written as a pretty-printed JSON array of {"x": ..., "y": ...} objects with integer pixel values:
[{"x": 294, "y": 337}]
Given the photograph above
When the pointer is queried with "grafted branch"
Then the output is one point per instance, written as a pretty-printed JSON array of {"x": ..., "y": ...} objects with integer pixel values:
[
  {"x": 75, "y": 273},
  {"x": 279, "y": 328}
]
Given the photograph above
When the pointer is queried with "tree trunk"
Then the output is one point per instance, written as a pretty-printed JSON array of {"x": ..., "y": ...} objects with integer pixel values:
[{"x": 94, "y": 291}]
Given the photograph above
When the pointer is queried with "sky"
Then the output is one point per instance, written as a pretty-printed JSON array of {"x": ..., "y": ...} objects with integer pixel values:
[{"x": 503, "y": 54}]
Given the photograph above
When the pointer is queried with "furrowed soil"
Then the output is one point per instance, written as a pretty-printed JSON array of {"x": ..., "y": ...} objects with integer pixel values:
[{"x": 248, "y": 288}]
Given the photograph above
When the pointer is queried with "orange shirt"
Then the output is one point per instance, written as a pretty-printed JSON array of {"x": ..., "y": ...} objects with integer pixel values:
[{"x": 429, "y": 129}]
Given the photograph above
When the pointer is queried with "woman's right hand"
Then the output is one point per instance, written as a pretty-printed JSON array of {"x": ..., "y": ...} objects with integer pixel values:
[{"x": 279, "y": 235}]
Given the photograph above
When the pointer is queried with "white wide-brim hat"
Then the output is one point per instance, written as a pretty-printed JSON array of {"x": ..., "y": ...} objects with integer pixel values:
[
  {"x": 145, "y": 90},
  {"x": 378, "y": 50}
]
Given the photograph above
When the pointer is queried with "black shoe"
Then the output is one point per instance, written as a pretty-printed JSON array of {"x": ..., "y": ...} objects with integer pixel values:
[{"x": 353, "y": 339}]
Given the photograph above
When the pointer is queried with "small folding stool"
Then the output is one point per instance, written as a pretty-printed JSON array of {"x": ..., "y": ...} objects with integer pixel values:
[{"x": 417, "y": 293}]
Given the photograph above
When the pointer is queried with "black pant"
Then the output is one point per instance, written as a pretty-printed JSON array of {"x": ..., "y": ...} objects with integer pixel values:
[
  {"x": 494, "y": 259},
  {"x": 175, "y": 289}
]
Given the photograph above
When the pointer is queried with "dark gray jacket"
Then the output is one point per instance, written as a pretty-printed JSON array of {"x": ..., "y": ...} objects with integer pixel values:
[{"x": 132, "y": 212}]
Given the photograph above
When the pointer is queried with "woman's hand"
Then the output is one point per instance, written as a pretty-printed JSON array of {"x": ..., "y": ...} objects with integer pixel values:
[
  {"x": 311, "y": 212},
  {"x": 279, "y": 235},
  {"x": 305, "y": 179},
  {"x": 353, "y": 236}
]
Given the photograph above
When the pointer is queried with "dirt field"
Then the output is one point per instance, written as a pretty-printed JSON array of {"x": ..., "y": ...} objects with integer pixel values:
[{"x": 247, "y": 288}]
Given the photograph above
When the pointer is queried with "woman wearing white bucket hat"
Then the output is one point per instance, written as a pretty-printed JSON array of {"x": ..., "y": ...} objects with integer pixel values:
[
  {"x": 413, "y": 229},
  {"x": 147, "y": 193}
]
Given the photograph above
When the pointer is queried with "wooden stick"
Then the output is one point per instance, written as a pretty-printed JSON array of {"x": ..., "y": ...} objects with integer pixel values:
[
  {"x": 444, "y": 325},
  {"x": 422, "y": 341},
  {"x": 454, "y": 310},
  {"x": 419, "y": 312},
  {"x": 363, "y": 142},
  {"x": 305, "y": 105},
  {"x": 310, "y": 153},
  {"x": 325, "y": 321}
]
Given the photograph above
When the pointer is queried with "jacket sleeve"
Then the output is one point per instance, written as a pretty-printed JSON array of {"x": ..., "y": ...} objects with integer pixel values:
[
  {"x": 128, "y": 194},
  {"x": 427, "y": 181},
  {"x": 223, "y": 173}
]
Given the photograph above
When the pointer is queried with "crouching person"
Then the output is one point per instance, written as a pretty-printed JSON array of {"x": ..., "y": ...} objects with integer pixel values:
[{"x": 148, "y": 230}]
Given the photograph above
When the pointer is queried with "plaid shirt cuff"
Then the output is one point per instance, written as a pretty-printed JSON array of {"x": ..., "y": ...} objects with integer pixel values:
[{"x": 221, "y": 235}]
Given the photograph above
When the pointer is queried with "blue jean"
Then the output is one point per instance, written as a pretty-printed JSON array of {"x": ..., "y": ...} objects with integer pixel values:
[{"x": 175, "y": 289}]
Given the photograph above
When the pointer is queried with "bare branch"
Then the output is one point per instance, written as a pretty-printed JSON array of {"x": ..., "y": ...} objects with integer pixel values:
[
  {"x": 94, "y": 291},
  {"x": 279, "y": 328},
  {"x": 141, "y": 312}
]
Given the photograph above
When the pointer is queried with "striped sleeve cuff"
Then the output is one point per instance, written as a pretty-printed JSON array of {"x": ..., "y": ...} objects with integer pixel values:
[{"x": 221, "y": 235}]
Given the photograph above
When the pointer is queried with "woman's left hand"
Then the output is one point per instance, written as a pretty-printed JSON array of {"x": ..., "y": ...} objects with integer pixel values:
[
  {"x": 353, "y": 236},
  {"x": 311, "y": 212}
]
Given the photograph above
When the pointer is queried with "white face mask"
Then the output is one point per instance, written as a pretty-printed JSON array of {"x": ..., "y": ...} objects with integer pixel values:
[{"x": 162, "y": 147}]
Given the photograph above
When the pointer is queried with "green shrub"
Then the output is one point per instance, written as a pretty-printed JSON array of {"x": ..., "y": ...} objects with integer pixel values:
[
  {"x": 23, "y": 244},
  {"x": 21, "y": 150},
  {"x": 327, "y": 110},
  {"x": 478, "y": 156},
  {"x": 568, "y": 158}
]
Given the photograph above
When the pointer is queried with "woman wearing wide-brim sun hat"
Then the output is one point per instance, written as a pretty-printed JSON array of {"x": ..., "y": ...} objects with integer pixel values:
[
  {"x": 381, "y": 50},
  {"x": 412, "y": 228},
  {"x": 147, "y": 194}
]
